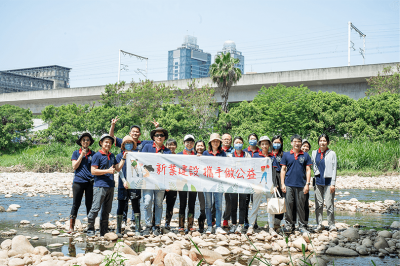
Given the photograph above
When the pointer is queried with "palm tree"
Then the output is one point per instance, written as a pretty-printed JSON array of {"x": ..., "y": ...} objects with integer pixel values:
[{"x": 225, "y": 74}]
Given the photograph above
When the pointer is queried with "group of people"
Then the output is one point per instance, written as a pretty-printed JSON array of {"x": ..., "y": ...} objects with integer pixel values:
[{"x": 291, "y": 176}]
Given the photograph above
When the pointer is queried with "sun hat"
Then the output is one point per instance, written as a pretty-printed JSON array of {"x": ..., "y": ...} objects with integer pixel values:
[
  {"x": 264, "y": 138},
  {"x": 126, "y": 139},
  {"x": 86, "y": 134},
  {"x": 153, "y": 132},
  {"x": 188, "y": 137},
  {"x": 214, "y": 136},
  {"x": 104, "y": 136}
]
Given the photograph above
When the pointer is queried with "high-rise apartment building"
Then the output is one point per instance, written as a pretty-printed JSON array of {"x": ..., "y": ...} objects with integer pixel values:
[
  {"x": 188, "y": 61},
  {"x": 230, "y": 46}
]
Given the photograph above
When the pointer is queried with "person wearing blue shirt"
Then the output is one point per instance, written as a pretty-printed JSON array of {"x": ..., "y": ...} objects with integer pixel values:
[
  {"x": 158, "y": 135},
  {"x": 103, "y": 168},
  {"x": 295, "y": 180},
  {"x": 277, "y": 153},
  {"x": 214, "y": 149},
  {"x": 325, "y": 168},
  {"x": 83, "y": 178},
  {"x": 227, "y": 148},
  {"x": 124, "y": 193},
  {"x": 233, "y": 197}
]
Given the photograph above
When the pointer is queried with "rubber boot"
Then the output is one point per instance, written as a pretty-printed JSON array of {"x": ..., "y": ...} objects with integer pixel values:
[
  {"x": 168, "y": 218},
  {"x": 201, "y": 220},
  {"x": 71, "y": 225},
  {"x": 104, "y": 227},
  {"x": 181, "y": 223},
  {"x": 190, "y": 223},
  {"x": 138, "y": 228},
  {"x": 90, "y": 228},
  {"x": 119, "y": 222}
]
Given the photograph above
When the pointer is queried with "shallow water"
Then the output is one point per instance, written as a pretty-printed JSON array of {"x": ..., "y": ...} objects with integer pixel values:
[{"x": 59, "y": 207}]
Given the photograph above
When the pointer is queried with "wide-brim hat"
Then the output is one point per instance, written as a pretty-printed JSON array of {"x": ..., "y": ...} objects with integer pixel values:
[
  {"x": 126, "y": 139},
  {"x": 214, "y": 136},
  {"x": 153, "y": 132},
  {"x": 86, "y": 134},
  {"x": 264, "y": 138},
  {"x": 104, "y": 136}
]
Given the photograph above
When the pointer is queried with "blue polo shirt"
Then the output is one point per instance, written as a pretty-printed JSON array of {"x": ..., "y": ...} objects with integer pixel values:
[
  {"x": 229, "y": 150},
  {"x": 140, "y": 144},
  {"x": 102, "y": 162},
  {"x": 153, "y": 149},
  {"x": 321, "y": 180},
  {"x": 296, "y": 168},
  {"x": 184, "y": 152},
  {"x": 219, "y": 153},
  {"x": 83, "y": 172},
  {"x": 277, "y": 162},
  {"x": 248, "y": 150}
]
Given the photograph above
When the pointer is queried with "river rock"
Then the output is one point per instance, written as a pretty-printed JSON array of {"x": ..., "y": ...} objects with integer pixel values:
[
  {"x": 362, "y": 250},
  {"x": 367, "y": 242},
  {"x": 174, "y": 248},
  {"x": 381, "y": 243},
  {"x": 6, "y": 244},
  {"x": 281, "y": 259},
  {"x": 341, "y": 251},
  {"x": 146, "y": 256},
  {"x": 134, "y": 260},
  {"x": 351, "y": 234},
  {"x": 159, "y": 259},
  {"x": 16, "y": 262},
  {"x": 173, "y": 259},
  {"x": 48, "y": 226},
  {"x": 395, "y": 224},
  {"x": 385, "y": 234},
  {"x": 40, "y": 250},
  {"x": 110, "y": 236},
  {"x": 197, "y": 240},
  {"x": 209, "y": 255},
  {"x": 93, "y": 259},
  {"x": 189, "y": 261},
  {"x": 124, "y": 248},
  {"x": 223, "y": 251},
  {"x": 55, "y": 232},
  {"x": 24, "y": 222},
  {"x": 21, "y": 245},
  {"x": 2, "y": 209},
  {"x": 3, "y": 254},
  {"x": 299, "y": 242}
]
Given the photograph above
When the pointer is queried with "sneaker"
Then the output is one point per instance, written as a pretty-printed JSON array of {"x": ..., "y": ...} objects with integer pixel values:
[
  {"x": 332, "y": 228},
  {"x": 239, "y": 229},
  {"x": 209, "y": 230},
  {"x": 220, "y": 231},
  {"x": 250, "y": 231},
  {"x": 304, "y": 230},
  {"x": 146, "y": 231},
  {"x": 90, "y": 233},
  {"x": 167, "y": 226},
  {"x": 287, "y": 230},
  {"x": 272, "y": 232},
  {"x": 225, "y": 223},
  {"x": 246, "y": 225},
  {"x": 233, "y": 229},
  {"x": 157, "y": 231},
  {"x": 320, "y": 228}
]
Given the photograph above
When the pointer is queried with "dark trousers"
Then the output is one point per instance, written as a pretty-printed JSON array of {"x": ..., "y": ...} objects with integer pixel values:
[
  {"x": 243, "y": 207},
  {"x": 183, "y": 199},
  {"x": 228, "y": 207},
  {"x": 77, "y": 190},
  {"x": 295, "y": 200},
  {"x": 102, "y": 199},
  {"x": 122, "y": 204}
]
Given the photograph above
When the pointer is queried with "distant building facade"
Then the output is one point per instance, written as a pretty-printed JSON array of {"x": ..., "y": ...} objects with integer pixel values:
[
  {"x": 36, "y": 78},
  {"x": 230, "y": 46},
  {"x": 188, "y": 61}
]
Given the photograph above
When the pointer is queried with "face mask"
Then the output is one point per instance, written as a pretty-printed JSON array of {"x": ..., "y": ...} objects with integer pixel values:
[
  {"x": 189, "y": 150},
  {"x": 238, "y": 146},
  {"x": 276, "y": 146},
  {"x": 128, "y": 146},
  {"x": 253, "y": 142}
]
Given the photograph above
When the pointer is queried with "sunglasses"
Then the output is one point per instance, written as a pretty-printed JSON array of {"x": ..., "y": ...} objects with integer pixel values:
[{"x": 159, "y": 135}]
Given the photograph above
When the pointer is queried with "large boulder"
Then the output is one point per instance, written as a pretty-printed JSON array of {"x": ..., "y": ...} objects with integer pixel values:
[
  {"x": 93, "y": 259},
  {"x": 174, "y": 248},
  {"x": 16, "y": 262},
  {"x": 299, "y": 242},
  {"x": 21, "y": 245},
  {"x": 381, "y": 243},
  {"x": 6, "y": 244},
  {"x": 395, "y": 224},
  {"x": 173, "y": 259},
  {"x": 351, "y": 234},
  {"x": 111, "y": 236},
  {"x": 340, "y": 251},
  {"x": 209, "y": 255},
  {"x": 385, "y": 234}
]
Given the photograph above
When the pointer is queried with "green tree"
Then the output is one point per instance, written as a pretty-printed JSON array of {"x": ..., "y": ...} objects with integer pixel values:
[
  {"x": 387, "y": 81},
  {"x": 115, "y": 95},
  {"x": 15, "y": 125},
  {"x": 224, "y": 73}
]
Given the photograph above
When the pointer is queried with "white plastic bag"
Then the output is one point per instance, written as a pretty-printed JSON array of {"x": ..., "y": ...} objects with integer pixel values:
[{"x": 276, "y": 205}]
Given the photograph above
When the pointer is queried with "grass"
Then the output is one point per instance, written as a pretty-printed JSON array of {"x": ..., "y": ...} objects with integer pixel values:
[{"x": 357, "y": 157}]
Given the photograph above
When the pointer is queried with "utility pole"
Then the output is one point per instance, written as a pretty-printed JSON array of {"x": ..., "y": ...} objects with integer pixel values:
[
  {"x": 351, "y": 44},
  {"x": 125, "y": 66}
]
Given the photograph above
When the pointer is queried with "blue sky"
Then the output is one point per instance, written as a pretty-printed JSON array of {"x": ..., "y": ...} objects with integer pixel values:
[{"x": 272, "y": 35}]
